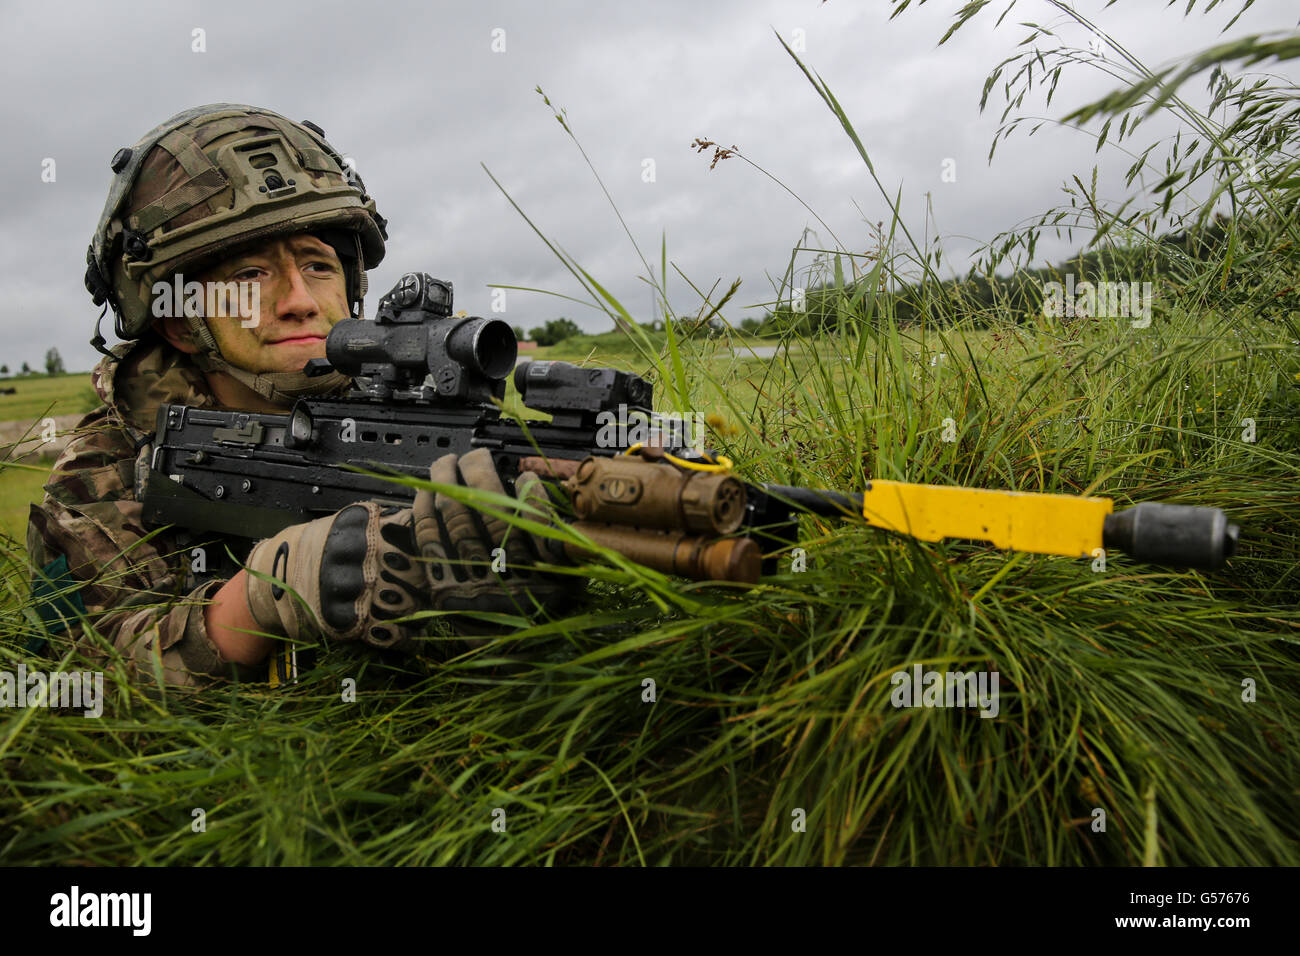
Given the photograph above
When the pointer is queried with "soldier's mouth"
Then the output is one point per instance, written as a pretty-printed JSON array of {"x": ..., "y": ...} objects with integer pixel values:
[{"x": 299, "y": 340}]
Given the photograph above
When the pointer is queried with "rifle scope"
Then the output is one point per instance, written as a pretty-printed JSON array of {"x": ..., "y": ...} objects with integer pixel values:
[{"x": 415, "y": 348}]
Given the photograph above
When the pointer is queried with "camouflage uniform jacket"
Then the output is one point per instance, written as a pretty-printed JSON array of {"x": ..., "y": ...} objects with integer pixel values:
[{"x": 143, "y": 592}]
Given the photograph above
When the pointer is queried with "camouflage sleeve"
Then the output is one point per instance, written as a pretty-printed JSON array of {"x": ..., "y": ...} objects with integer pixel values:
[{"x": 134, "y": 586}]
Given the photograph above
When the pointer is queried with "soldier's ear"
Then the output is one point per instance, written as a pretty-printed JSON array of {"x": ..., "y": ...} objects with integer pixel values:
[{"x": 177, "y": 333}]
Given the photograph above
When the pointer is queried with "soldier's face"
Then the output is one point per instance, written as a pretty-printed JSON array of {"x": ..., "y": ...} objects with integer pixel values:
[{"x": 302, "y": 292}]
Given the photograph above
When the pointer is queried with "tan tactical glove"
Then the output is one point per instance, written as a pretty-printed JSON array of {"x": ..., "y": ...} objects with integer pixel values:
[
  {"x": 357, "y": 571},
  {"x": 460, "y": 544},
  {"x": 352, "y": 572}
]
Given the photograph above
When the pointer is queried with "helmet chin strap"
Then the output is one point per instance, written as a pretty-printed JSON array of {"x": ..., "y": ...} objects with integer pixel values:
[{"x": 282, "y": 388}]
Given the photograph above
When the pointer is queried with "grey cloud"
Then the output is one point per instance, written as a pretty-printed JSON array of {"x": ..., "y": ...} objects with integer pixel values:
[{"x": 415, "y": 94}]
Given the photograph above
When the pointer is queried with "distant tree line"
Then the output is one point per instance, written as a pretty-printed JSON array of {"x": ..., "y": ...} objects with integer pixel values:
[
  {"x": 552, "y": 333},
  {"x": 53, "y": 365},
  {"x": 1020, "y": 295}
]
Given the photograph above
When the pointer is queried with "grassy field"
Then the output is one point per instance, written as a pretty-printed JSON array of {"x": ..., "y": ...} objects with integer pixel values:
[
  {"x": 40, "y": 395},
  {"x": 1121, "y": 690},
  {"x": 1146, "y": 716},
  {"x": 36, "y": 397},
  {"x": 19, "y": 487}
]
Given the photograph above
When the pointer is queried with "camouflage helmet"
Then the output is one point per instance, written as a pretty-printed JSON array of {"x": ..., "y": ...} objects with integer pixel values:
[{"x": 214, "y": 178}]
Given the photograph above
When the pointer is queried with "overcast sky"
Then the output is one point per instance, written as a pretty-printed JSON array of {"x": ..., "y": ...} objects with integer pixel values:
[{"x": 419, "y": 97}]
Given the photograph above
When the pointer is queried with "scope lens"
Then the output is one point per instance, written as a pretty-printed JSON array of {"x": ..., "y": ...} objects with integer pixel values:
[{"x": 495, "y": 348}]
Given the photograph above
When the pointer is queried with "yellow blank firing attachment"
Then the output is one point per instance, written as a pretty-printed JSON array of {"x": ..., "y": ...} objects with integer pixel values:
[{"x": 1015, "y": 520}]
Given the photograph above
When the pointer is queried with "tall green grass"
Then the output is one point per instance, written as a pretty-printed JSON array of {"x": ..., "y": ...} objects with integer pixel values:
[
  {"x": 771, "y": 738},
  {"x": 36, "y": 396}
]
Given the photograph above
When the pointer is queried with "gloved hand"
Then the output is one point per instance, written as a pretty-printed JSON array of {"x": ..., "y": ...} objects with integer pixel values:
[
  {"x": 353, "y": 572},
  {"x": 360, "y": 569},
  {"x": 458, "y": 543}
]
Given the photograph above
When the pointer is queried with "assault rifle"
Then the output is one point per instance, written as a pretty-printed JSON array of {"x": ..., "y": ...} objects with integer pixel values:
[{"x": 428, "y": 383}]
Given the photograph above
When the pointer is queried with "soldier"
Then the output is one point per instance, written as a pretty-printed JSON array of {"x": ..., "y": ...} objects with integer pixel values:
[{"x": 222, "y": 194}]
